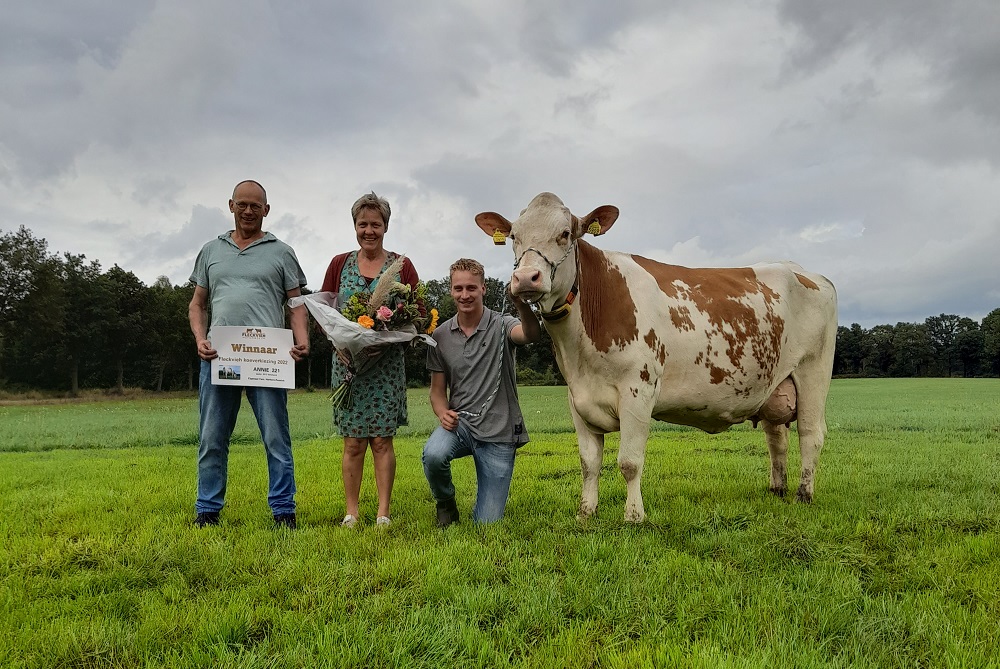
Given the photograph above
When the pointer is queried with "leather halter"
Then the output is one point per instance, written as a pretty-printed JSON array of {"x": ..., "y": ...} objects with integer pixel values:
[{"x": 562, "y": 311}]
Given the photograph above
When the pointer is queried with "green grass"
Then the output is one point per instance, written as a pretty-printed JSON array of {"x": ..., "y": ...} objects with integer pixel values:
[{"x": 896, "y": 564}]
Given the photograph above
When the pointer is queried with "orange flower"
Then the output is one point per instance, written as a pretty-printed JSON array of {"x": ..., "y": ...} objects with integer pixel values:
[
  {"x": 434, "y": 321},
  {"x": 365, "y": 321}
]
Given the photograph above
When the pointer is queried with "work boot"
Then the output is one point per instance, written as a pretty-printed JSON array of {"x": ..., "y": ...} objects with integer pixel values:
[
  {"x": 447, "y": 512},
  {"x": 284, "y": 520},
  {"x": 206, "y": 518}
]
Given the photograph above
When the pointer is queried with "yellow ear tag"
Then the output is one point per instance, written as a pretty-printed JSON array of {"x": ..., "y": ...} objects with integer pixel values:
[
  {"x": 499, "y": 238},
  {"x": 594, "y": 228}
]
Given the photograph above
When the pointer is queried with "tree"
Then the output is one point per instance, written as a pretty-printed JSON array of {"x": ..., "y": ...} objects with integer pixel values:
[
  {"x": 941, "y": 331},
  {"x": 21, "y": 256},
  {"x": 968, "y": 346},
  {"x": 849, "y": 353},
  {"x": 878, "y": 350},
  {"x": 990, "y": 330},
  {"x": 128, "y": 328},
  {"x": 89, "y": 309},
  {"x": 913, "y": 351},
  {"x": 31, "y": 309},
  {"x": 167, "y": 333}
]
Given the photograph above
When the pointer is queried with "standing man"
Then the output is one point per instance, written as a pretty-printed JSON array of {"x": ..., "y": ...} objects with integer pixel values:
[
  {"x": 245, "y": 275},
  {"x": 474, "y": 395}
]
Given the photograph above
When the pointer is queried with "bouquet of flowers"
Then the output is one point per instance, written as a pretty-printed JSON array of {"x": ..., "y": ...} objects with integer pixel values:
[{"x": 390, "y": 314}]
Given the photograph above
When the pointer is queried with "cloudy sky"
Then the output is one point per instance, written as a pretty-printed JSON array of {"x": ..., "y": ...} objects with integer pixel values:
[{"x": 860, "y": 139}]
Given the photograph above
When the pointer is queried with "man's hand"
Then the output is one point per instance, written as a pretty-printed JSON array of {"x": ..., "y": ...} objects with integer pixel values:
[
  {"x": 449, "y": 420},
  {"x": 344, "y": 357},
  {"x": 205, "y": 350},
  {"x": 300, "y": 352}
]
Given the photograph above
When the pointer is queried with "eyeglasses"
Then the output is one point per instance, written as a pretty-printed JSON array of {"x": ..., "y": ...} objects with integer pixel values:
[{"x": 253, "y": 206}]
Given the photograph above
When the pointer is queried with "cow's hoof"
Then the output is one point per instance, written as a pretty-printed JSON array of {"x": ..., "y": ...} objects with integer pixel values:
[
  {"x": 779, "y": 492},
  {"x": 804, "y": 496},
  {"x": 586, "y": 512},
  {"x": 635, "y": 517}
]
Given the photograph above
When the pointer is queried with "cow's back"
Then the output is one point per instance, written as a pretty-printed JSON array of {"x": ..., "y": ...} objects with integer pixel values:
[{"x": 714, "y": 341}]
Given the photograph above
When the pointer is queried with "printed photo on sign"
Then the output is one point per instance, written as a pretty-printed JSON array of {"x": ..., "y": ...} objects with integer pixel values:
[{"x": 253, "y": 356}]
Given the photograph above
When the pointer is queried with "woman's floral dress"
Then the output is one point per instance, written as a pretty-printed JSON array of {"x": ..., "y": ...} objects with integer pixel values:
[{"x": 378, "y": 394}]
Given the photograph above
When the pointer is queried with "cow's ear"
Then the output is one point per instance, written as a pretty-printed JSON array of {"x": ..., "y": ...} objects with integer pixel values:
[
  {"x": 494, "y": 225},
  {"x": 598, "y": 221}
]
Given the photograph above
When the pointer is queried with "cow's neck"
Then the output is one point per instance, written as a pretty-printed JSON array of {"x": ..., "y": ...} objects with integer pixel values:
[
  {"x": 604, "y": 313},
  {"x": 561, "y": 311}
]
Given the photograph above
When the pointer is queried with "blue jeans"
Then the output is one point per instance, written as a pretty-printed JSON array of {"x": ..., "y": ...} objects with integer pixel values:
[
  {"x": 218, "y": 407},
  {"x": 494, "y": 468}
]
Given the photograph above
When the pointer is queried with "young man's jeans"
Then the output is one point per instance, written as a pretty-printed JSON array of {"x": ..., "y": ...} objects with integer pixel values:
[
  {"x": 218, "y": 407},
  {"x": 494, "y": 468}
]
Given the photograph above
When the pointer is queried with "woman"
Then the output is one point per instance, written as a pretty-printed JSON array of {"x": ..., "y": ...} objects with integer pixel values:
[{"x": 378, "y": 404}]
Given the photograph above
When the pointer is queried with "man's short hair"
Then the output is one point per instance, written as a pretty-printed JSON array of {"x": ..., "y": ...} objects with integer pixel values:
[
  {"x": 371, "y": 201},
  {"x": 467, "y": 265},
  {"x": 251, "y": 181}
]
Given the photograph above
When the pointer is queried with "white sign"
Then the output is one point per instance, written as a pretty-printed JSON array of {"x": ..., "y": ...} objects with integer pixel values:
[{"x": 253, "y": 357}]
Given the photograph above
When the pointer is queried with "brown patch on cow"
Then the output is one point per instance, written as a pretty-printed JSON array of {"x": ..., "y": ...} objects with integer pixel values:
[
  {"x": 606, "y": 305},
  {"x": 681, "y": 318},
  {"x": 644, "y": 374},
  {"x": 721, "y": 294},
  {"x": 656, "y": 346},
  {"x": 699, "y": 358},
  {"x": 629, "y": 469},
  {"x": 806, "y": 281},
  {"x": 718, "y": 374}
]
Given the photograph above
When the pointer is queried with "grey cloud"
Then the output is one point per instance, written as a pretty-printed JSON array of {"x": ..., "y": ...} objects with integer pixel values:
[
  {"x": 156, "y": 245},
  {"x": 956, "y": 41},
  {"x": 161, "y": 191},
  {"x": 872, "y": 131}
]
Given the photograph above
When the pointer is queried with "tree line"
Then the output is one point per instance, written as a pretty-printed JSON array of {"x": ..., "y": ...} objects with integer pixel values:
[
  {"x": 67, "y": 324},
  {"x": 944, "y": 345}
]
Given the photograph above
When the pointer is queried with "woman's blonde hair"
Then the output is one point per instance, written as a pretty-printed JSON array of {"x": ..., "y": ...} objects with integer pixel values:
[{"x": 371, "y": 201}]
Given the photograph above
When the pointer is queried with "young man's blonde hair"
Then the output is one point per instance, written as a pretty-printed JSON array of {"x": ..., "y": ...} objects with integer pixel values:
[{"x": 468, "y": 265}]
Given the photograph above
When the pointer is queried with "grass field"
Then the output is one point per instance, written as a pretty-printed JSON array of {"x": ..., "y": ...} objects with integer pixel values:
[{"x": 896, "y": 564}]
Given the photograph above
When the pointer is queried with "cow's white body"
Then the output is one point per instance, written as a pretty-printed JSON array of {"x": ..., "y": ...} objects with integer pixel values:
[{"x": 699, "y": 347}]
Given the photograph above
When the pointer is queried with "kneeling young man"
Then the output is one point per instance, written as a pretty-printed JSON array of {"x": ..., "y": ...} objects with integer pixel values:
[{"x": 474, "y": 395}]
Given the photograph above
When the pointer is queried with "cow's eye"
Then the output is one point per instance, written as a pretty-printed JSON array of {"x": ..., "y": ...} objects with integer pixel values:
[{"x": 564, "y": 236}]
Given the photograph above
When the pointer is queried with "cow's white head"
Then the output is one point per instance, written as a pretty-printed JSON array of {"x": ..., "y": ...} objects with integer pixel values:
[{"x": 544, "y": 238}]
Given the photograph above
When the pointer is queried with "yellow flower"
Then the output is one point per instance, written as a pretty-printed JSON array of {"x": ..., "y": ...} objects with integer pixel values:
[
  {"x": 434, "y": 321},
  {"x": 366, "y": 321}
]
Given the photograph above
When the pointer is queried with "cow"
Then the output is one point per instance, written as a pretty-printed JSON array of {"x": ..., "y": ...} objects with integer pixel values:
[{"x": 638, "y": 340}]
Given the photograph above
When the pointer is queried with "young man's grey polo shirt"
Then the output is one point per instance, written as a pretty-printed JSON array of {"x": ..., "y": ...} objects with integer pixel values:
[
  {"x": 248, "y": 287},
  {"x": 472, "y": 367}
]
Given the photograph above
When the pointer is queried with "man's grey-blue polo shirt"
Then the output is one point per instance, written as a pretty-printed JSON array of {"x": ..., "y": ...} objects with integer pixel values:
[
  {"x": 472, "y": 367},
  {"x": 247, "y": 287}
]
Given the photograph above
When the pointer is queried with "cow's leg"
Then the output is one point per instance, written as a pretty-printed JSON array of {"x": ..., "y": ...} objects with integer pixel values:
[
  {"x": 591, "y": 458},
  {"x": 812, "y": 384},
  {"x": 634, "y": 419},
  {"x": 777, "y": 446}
]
